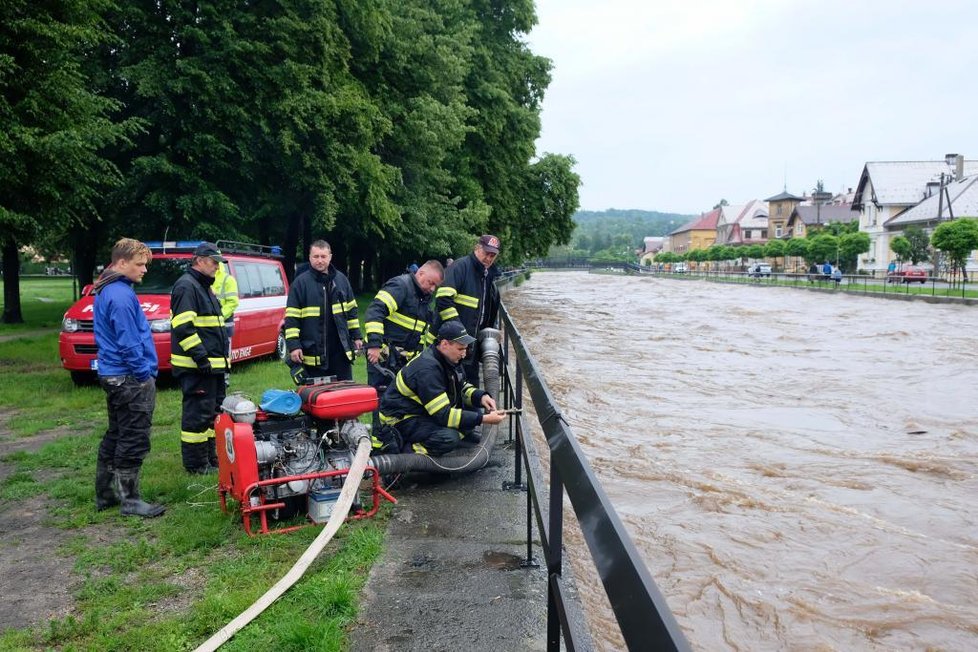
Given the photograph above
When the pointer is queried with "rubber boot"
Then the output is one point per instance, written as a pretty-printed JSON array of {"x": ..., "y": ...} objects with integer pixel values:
[
  {"x": 212, "y": 452},
  {"x": 106, "y": 493},
  {"x": 132, "y": 504},
  {"x": 195, "y": 457}
]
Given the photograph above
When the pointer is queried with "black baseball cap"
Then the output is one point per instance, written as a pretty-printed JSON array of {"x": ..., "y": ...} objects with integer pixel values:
[
  {"x": 489, "y": 243},
  {"x": 209, "y": 250},
  {"x": 455, "y": 332}
]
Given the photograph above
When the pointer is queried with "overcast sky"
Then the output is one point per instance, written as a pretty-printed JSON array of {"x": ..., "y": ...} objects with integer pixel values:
[{"x": 671, "y": 105}]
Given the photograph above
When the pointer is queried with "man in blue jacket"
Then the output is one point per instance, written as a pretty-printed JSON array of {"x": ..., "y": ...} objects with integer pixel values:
[{"x": 127, "y": 368}]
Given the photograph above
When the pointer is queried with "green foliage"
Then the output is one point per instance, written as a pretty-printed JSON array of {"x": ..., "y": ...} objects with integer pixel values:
[
  {"x": 919, "y": 244},
  {"x": 822, "y": 247},
  {"x": 900, "y": 245},
  {"x": 798, "y": 247},
  {"x": 850, "y": 246},
  {"x": 598, "y": 230},
  {"x": 957, "y": 239}
]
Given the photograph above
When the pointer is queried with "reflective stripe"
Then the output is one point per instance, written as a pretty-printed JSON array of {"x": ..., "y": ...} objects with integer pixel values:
[
  {"x": 385, "y": 297},
  {"x": 405, "y": 390},
  {"x": 375, "y": 443},
  {"x": 445, "y": 292},
  {"x": 291, "y": 333},
  {"x": 208, "y": 321},
  {"x": 183, "y": 318},
  {"x": 337, "y": 308},
  {"x": 419, "y": 449},
  {"x": 186, "y": 362},
  {"x": 188, "y": 343},
  {"x": 352, "y": 323},
  {"x": 293, "y": 312},
  {"x": 311, "y": 360},
  {"x": 196, "y": 437},
  {"x": 437, "y": 403},
  {"x": 311, "y": 311},
  {"x": 454, "y": 418},
  {"x": 407, "y": 323},
  {"x": 374, "y": 327},
  {"x": 391, "y": 421},
  {"x": 349, "y": 305},
  {"x": 467, "y": 301},
  {"x": 467, "y": 392},
  {"x": 449, "y": 313},
  {"x": 427, "y": 338}
]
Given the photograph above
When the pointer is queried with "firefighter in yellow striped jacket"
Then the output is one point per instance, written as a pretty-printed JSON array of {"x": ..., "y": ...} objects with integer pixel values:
[
  {"x": 430, "y": 408},
  {"x": 199, "y": 355},
  {"x": 322, "y": 331},
  {"x": 470, "y": 296}
]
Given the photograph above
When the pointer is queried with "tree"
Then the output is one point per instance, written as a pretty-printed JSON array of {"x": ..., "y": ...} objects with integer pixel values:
[
  {"x": 850, "y": 246},
  {"x": 754, "y": 251},
  {"x": 52, "y": 127},
  {"x": 901, "y": 246},
  {"x": 775, "y": 249},
  {"x": 919, "y": 244},
  {"x": 957, "y": 239},
  {"x": 822, "y": 247},
  {"x": 721, "y": 204}
]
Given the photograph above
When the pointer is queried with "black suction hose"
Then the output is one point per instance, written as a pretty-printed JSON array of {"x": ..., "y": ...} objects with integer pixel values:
[{"x": 464, "y": 458}]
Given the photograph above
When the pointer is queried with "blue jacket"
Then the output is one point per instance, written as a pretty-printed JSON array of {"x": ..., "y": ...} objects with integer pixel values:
[{"x": 125, "y": 344}]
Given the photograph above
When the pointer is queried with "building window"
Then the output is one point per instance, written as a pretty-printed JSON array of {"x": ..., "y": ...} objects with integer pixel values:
[
  {"x": 777, "y": 231},
  {"x": 779, "y": 209}
]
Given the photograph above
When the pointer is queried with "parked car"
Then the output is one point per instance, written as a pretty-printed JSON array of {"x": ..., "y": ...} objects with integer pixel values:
[
  {"x": 908, "y": 274},
  {"x": 679, "y": 268},
  {"x": 258, "y": 322},
  {"x": 758, "y": 270}
]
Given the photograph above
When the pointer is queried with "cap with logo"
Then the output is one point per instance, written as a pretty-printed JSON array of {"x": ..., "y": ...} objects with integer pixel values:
[
  {"x": 454, "y": 331},
  {"x": 489, "y": 243},
  {"x": 209, "y": 250}
]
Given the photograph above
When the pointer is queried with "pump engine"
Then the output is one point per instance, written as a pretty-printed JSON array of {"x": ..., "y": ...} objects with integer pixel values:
[{"x": 276, "y": 465}]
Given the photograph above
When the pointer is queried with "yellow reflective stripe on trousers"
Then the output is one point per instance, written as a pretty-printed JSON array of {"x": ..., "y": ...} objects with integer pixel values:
[
  {"x": 196, "y": 437},
  {"x": 437, "y": 403},
  {"x": 467, "y": 301},
  {"x": 392, "y": 421},
  {"x": 182, "y": 318},
  {"x": 188, "y": 343},
  {"x": 311, "y": 360},
  {"x": 404, "y": 389},
  {"x": 385, "y": 297}
]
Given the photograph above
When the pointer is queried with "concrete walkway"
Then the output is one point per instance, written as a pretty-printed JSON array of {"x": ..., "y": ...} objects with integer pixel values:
[{"x": 450, "y": 577}]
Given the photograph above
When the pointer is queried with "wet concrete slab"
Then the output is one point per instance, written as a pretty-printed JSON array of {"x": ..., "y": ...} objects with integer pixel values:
[{"x": 452, "y": 575}]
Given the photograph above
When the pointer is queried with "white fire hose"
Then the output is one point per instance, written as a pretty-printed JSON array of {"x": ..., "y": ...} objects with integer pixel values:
[{"x": 343, "y": 503}]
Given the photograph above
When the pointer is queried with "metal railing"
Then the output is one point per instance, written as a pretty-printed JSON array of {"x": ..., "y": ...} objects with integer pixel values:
[{"x": 643, "y": 616}]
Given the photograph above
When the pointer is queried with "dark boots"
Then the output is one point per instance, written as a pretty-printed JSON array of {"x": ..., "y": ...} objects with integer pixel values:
[
  {"x": 197, "y": 457},
  {"x": 105, "y": 491},
  {"x": 132, "y": 504}
]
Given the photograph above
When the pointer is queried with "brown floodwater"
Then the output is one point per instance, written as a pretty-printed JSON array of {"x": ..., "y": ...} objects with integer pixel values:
[{"x": 798, "y": 469}]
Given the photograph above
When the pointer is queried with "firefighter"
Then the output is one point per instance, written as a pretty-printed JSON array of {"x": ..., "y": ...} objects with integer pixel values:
[
  {"x": 322, "y": 331},
  {"x": 127, "y": 368},
  {"x": 199, "y": 355},
  {"x": 469, "y": 294},
  {"x": 430, "y": 407},
  {"x": 226, "y": 291},
  {"x": 398, "y": 323}
]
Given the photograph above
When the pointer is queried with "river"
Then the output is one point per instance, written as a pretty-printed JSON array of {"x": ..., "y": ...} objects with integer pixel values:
[{"x": 798, "y": 469}]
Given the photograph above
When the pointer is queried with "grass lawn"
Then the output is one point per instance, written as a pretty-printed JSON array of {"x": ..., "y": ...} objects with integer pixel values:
[{"x": 165, "y": 583}]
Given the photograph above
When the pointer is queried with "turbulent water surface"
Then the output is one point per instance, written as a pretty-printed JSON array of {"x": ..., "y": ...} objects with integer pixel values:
[{"x": 798, "y": 469}]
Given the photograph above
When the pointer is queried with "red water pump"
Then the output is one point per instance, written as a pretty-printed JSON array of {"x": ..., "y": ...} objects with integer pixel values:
[{"x": 275, "y": 465}]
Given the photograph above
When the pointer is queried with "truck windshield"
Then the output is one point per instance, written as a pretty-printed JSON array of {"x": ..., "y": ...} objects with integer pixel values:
[{"x": 161, "y": 275}]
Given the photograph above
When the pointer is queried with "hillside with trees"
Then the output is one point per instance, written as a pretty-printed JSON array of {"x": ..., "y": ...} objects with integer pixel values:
[{"x": 615, "y": 234}]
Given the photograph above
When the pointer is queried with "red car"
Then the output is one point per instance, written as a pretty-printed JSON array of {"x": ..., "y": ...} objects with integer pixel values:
[{"x": 908, "y": 274}]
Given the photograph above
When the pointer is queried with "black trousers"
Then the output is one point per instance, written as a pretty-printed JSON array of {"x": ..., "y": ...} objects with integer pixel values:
[
  {"x": 202, "y": 398},
  {"x": 422, "y": 435},
  {"x": 130, "y": 405}
]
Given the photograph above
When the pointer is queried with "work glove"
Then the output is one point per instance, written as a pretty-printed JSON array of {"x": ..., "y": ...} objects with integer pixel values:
[{"x": 298, "y": 375}]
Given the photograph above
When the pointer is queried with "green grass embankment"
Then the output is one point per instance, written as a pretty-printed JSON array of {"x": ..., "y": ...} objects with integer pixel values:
[{"x": 165, "y": 583}]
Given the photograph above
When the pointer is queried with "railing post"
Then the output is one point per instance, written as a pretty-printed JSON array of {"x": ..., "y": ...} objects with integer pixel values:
[
  {"x": 517, "y": 482},
  {"x": 554, "y": 554}
]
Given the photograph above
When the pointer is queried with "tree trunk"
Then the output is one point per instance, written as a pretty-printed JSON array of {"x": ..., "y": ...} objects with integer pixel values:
[{"x": 11, "y": 283}]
